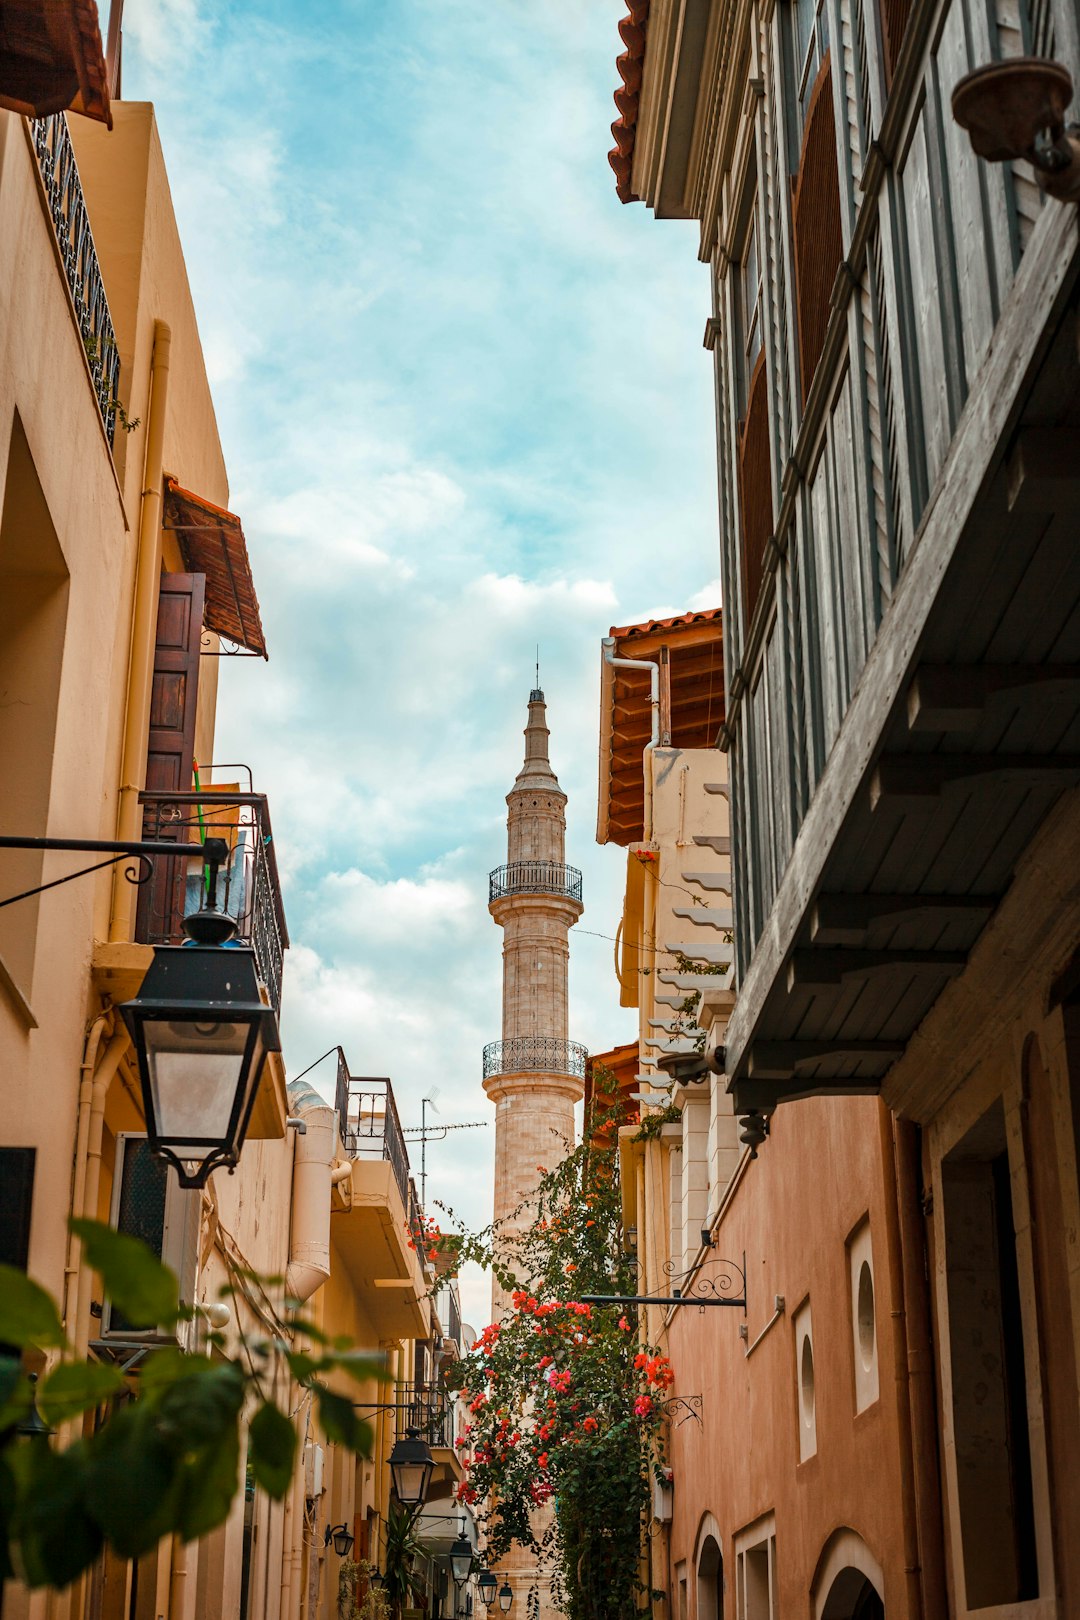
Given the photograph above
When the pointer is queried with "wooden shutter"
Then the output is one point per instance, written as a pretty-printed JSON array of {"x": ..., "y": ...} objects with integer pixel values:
[
  {"x": 170, "y": 754},
  {"x": 815, "y": 213},
  {"x": 16, "y": 1199},
  {"x": 894, "y": 19},
  {"x": 755, "y": 484}
]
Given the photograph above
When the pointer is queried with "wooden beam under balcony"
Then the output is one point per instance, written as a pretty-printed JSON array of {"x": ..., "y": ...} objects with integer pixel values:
[
  {"x": 779, "y": 1060},
  {"x": 920, "y": 777},
  {"x": 820, "y": 969},
  {"x": 843, "y": 919},
  {"x": 952, "y": 697}
]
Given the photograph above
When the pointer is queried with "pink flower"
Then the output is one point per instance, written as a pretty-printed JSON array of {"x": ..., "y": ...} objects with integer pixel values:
[
  {"x": 624, "y": 1324},
  {"x": 642, "y": 1406}
]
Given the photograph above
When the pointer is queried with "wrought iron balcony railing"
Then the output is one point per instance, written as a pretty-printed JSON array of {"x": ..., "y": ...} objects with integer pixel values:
[
  {"x": 535, "y": 877},
  {"x": 370, "y": 1129},
  {"x": 63, "y": 190},
  {"x": 249, "y": 887},
  {"x": 429, "y": 1408},
  {"x": 450, "y": 1313},
  {"x": 534, "y": 1054}
]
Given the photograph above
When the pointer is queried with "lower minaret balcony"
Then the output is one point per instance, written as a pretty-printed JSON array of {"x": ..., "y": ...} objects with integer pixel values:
[
  {"x": 534, "y": 1054},
  {"x": 534, "y": 877}
]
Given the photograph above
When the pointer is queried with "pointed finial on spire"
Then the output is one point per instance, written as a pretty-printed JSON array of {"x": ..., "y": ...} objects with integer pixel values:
[{"x": 536, "y": 771}]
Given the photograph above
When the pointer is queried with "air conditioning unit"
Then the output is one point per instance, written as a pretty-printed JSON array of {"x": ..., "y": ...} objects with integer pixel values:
[
  {"x": 663, "y": 1498},
  {"x": 149, "y": 1203}
]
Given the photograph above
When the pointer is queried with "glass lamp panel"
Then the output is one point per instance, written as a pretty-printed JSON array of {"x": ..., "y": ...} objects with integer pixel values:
[
  {"x": 410, "y": 1481},
  {"x": 195, "y": 1071}
]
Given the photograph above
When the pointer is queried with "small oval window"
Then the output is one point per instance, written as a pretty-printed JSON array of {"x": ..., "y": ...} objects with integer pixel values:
[
  {"x": 866, "y": 1323},
  {"x": 806, "y": 1382}
]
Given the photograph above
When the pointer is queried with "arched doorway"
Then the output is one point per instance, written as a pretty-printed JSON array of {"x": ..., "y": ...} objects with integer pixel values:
[
  {"x": 853, "y": 1596},
  {"x": 848, "y": 1583},
  {"x": 710, "y": 1580}
]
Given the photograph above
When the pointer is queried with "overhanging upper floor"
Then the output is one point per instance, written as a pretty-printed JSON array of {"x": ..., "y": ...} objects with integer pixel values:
[{"x": 961, "y": 736}]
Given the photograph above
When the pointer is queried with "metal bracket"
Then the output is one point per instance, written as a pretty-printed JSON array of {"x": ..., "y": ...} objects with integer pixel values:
[{"x": 703, "y": 1292}]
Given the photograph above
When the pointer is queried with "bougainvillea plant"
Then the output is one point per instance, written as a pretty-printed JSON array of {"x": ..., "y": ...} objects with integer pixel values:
[{"x": 565, "y": 1402}]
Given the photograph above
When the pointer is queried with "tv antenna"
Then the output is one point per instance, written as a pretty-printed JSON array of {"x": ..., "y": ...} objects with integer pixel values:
[{"x": 434, "y": 1133}]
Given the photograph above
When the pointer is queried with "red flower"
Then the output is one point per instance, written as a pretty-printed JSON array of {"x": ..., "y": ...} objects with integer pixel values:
[
  {"x": 590, "y": 1425},
  {"x": 642, "y": 1406}
]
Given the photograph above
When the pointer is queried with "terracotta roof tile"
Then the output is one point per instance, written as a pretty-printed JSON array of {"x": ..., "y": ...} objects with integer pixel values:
[
  {"x": 651, "y": 626},
  {"x": 630, "y": 64}
]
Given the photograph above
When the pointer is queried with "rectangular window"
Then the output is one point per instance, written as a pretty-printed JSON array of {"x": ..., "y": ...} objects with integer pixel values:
[
  {"x": 149, "y": 1203},
  {"x": 991, "y": 1439},
  {"x": 808, "y": 45},
  {"x": 16, "y": 1198},
  {"x": 755, "y": 1573}
]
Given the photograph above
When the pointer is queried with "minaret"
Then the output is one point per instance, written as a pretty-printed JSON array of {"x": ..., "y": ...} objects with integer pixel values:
[{"x": 534, "y": 1075}]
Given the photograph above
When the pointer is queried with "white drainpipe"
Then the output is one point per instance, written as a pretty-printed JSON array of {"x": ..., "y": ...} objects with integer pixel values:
[
  {"x": 309, "y": 1243},
  {"x": 654, "y": 703}
]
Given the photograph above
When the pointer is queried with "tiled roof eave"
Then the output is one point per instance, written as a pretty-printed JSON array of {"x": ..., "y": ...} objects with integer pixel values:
[{"x": 630, "y": 66}]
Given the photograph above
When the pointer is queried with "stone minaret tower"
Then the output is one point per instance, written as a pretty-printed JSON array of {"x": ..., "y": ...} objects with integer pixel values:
[{"x": 534, "y": 1075}]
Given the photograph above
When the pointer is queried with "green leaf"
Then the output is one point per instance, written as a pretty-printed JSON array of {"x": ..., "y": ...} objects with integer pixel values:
[
  {"x": 360, "y": 1364},
  {"x": 208, "y": 1484},
  {"x": 198, "y": 1409},
  {"x": 130, "y": 1478},
  {"x": 74, "y": 1386},
  {"x": 301, "y": 1365},
  {"x": 272, "y": 1441},
  {"x": 27, "y": 1313},
  {"x": 341, "y": 1424},
  {"x": 311, "y": 1330},
  {"x": 54, "y": 1534},
  {"x": 132, "y": 1275}
]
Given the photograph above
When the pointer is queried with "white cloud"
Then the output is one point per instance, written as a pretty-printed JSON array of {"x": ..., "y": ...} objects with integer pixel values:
[{"x": 465, "y": 410}]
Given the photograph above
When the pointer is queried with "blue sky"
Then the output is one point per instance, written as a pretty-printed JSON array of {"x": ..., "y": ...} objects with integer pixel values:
[{"x": 465, "y": 409}]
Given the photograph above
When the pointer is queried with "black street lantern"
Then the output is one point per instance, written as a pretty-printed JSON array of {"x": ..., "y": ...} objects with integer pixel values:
[
  {"x": 411, "y": 1468},
  {"x": 201, "y": 1032},
  {"x": 461, "y": 1556},
  {"x": 342, "y": 1538},
  {"x": 488, "y": 1586},
  {"x": 32, "y": 1426},
  {"x": 506, "y": 1597}
]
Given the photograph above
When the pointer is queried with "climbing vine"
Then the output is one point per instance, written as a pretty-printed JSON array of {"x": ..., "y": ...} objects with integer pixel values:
[{"x": 565, "y": 1401}]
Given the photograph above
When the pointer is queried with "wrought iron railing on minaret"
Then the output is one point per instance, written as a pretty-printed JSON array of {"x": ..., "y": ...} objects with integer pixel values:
[
  {"x": 535, "y": 877},
  {"x": 535, "y": 1054}
]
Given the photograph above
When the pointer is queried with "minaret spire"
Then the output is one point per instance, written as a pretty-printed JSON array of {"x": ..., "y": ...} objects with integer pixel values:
[
  {"x": 536, "y": 771},
  {"x": 534, "y": 1075}
]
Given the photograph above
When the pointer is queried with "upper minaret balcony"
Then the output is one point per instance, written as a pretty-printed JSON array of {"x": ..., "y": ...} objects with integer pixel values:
[{"x": 535, "y": 877}]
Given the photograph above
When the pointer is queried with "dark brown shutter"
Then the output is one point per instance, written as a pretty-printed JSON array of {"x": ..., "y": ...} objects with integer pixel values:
[
  {"x": 815, "y": 214},
  {"x": 16, "y": 1200},
  {"x": 170, "y": 753},
  {"x": 755, "y": 484},
  {"x": 894, "y": 19}
]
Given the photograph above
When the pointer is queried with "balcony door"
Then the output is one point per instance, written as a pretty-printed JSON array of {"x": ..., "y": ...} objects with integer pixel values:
[{"x": 170, "y": 753}]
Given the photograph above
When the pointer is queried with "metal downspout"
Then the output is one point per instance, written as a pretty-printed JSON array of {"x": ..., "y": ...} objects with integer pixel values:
[
  {"x": 913, "y": 1599},
  {"x": 103, "y": 1078},
  {"x": 654, "y": 705},
  {"x": 143, "y": 629},
  {"x": 921, "y": 1371},
  {"x": 78, "y": 1169}
]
